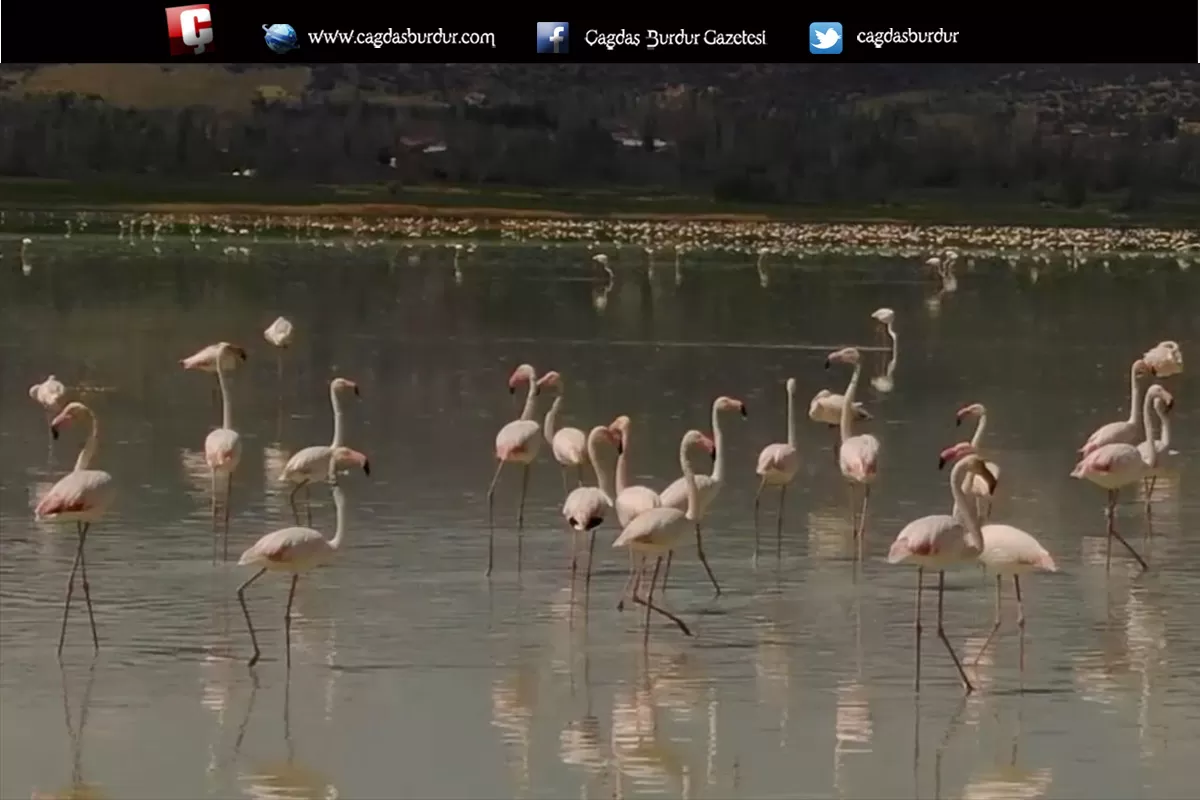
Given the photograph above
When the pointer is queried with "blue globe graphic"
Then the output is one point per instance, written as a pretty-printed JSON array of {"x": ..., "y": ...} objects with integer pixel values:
[{"x": 280, "y": 38}]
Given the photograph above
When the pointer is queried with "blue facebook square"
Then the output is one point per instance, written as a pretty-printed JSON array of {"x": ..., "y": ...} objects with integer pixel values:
[{"x": 552, "y": 37}]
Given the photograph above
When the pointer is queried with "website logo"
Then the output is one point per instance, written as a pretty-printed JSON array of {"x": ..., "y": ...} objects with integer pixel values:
[
  {"x": 552, "y": 37},
  {"x": 825, "y": 38},
  {"x": 280, "y": 38},
  {"x": 189, "y": 30}
]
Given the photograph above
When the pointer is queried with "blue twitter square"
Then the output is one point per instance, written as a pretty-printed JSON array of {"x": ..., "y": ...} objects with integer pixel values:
[{"x": 825, "y": 38}]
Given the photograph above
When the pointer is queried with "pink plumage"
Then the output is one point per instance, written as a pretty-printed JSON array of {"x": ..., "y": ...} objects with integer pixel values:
[{"x": 205, "y": 359}]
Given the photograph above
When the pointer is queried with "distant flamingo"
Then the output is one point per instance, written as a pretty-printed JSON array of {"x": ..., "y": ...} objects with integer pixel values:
[
  {"x": 516, "y": 443},
  {"x": 293, "y": 550},
  {"x": 707, "y": 486},
  {"x": 312, "y": 463},
  {"x": 223, "y": 450},
  {"x": 886, "y": 318},
  {"x": 1165, "y": 457},
  {"x": 279, "y": 333},
  {"x": 976, "y": 485},
  {"x": 81, "y": 496},
  {"x": 49, "y": 394},
  {"x": 1117, "y": 465},
  {"x": 569, "y": 445},
  {"x": 586, "y": 507},
  {"x": 777, "y": 465},
  {"x": 1165, "y": 359},
  {"x": 1125, "y": 431},
  {"x": 940, "y": 542},
  {"x": 659, "y": 531},
  {"x": 858, "y": 456},
  {"x": 630, "y": 500}
]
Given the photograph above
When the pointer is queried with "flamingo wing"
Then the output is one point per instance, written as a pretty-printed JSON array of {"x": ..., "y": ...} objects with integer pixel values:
[
  {"x": 285, "y": 544},
  {"x": 308, "y": 463},
  {"x": 776, "y": 458},
  {"x": 1122, "y": 432},
  {"x": 859, "y": 457},
  {"x": 585, "y": 508},
  {"x": 518, "y": 436},
  {"x": 1008, "y": 548},
  {"x": 222, "y": 447},
  {"x": 934, "y": 538},
  {"x": 635, "y": 500},
  {"x": 569, "y": 446},
  {"x": 657, "y": 526},
  {"x": 79, "y": 491},
  {"x": 675, "y": 495}
]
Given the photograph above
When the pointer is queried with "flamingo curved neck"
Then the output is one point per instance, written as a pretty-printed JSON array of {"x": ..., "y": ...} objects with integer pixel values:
[
  {"x": 963, "y": 509},
  {"x": 1134, "y": 395},
  {"x": 791, "y": 419},
  {"x": 335, "y": 400},
  {"x": 891, "y": 332},
  {"x": 1148, "y": 423},
  {"x": 844, "y": 429},
  {"x": 718, "y": 470},
  {"x": 550, "y": 424},
  {"x": 622, "y": 475},
  {"x": 339, "y": 503},
  {"x": 689, "y": 482},
  {"x": 593, "y": 449},
  {"x": 88, "y": 452},
  {"x": 530, "y": 399},
  {"x": 980, "y": 427},
  {"x": 1164, "y": 427},
  {"x": 226, "y": 408}
]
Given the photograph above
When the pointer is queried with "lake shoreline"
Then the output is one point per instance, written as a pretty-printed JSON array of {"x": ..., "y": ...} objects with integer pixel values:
[{"x": 237, "y": 196}]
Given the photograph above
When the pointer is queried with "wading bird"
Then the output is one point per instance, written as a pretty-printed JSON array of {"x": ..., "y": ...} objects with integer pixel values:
[
  {"x": 1164, "y": 457},
  {"x": 630, "y": 500},
  {"x": 858, "y": 456},
  {"x": 49, "y": 394},
  {"x": 975, "y": 485},
  {"x": 516, "y": 443},
  {"x": 586, "y": 507},
  {"x": 311, "y": 463},
  {"x": 777, "y": 465},
  {"x": 1125, "y": 431},
  {"x": 569, "y": 445},
  {"x": 205, "y": 360},
  {"x": 223, "y": 453},
  {"x": 1165, "y": 359},
  {"x": 279, "y": 334},
  {"x": 81, "y": 496},
  {"x": 886, "y": 382}
]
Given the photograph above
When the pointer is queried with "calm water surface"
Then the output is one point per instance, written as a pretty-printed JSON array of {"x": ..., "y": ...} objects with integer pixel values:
[{"x": 413, "y": 676}]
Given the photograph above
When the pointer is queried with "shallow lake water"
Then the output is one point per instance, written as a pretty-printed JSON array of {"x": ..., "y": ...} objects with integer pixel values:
[{"x": 415, "y": 676}]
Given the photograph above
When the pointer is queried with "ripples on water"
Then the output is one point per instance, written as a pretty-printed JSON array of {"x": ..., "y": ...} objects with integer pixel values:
[{"x": 413, "y": 678}]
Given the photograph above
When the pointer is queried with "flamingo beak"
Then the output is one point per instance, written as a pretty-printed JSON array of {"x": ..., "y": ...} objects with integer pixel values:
[
  {"x": 988, "y": 478},
  {"x": 620, "y": 447},
  {"x": 745, "y": 413},
  {"x": 241, "y": 353},
  {"x": 366, "y": 466},
  {"x": 714, "y": 455},
  {"x": 512, "y": 389},
  {"x": 941, "y": 462},
  {"x": 957, "y": 421},
  {"x": 1170, "y": 404},
  {"x": 357, "y": 393},
  {"x": 54, "y": 432},
  {"x": 827, "y": 363}
]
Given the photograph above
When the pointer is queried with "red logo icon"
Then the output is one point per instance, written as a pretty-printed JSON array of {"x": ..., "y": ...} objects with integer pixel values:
[{"x": 189, "y": 29}]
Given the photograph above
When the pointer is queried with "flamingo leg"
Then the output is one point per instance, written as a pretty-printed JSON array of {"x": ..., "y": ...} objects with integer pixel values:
[
  {"x": 1112, "y": 534},
  {"x": 1148, "y": 484},
  {"x": 1020, "y": 619},
  {"x": 578, "y": 475},
  {"x": 228, "y": 504},
  {"x": 241, "y": 593},
  {"x": 779, "y": 523},
  {"x": 62, "y": 634},
  {"x": 667, "y": 571},
  {"x": 521, "y": 515},
  {"x": 704, "y": 561},
  {"x": 287, "y": 622},
  {"x": 917, "y": 629},
  {"x": 633, "y": 572},
  {"x": 757, "y": 499},
  {"x": 995, "y": 626},
  {"x": 292, "y": 501},
  {"x": 491, "y": 497},
  {"x": 212, "y": 509},
  {"x": 650, "y": 606},
  {"x": 941, "y": 632},
  {"x": 853, "y": 511},
  {"x": 87, "y": 590},
  {"x": 862, "y": 520},
  {"x": 587, "y": 579},
  {"x": 308, "y": 504},
  {"x": 650, "y": 601},
  {"x": 566, "y": 482}
]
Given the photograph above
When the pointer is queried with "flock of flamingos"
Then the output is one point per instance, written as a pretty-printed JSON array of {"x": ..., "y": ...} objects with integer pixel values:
[{"x": 653, "y": 524}]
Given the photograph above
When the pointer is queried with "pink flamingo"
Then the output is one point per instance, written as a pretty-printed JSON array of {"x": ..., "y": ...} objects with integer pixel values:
[
  {"x": 569, "y": 445},
  {"x": 707, "y": 486},
  {"x": 630, "y": 500},
  {"x": 49, "y": 394},
  {"x": 295, "y": 550},
  {"x": 516, "y": 443},
  {"x": 1125, "y": 431},
  {"x": 1116, "y": 465},
  {"x": 826, "y": 409},
  {"x": 777, "y": 465},
  {"x": 658, "y": 531},
  {"x": 1164, "y": 456},
  {"x": 205, "y": 359},
  {"x": 858, "y": 456},
  {"x": 1165, "y": 359},
  {"x": 81, "y": 496},
  {"x": 223, "y": 449},
  {"x": 311, "y": 463},
  {"x": 940, "y": 542},
  {"x": 976, "y": 485},
  {"x": 279, "y": 334},
  {"x": 1007, "y": 551},
  {"x": 586, "y": 507}
]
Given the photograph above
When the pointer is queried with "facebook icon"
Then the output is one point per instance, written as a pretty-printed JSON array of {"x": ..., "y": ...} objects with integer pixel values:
[{"x": 552, "y": 37}]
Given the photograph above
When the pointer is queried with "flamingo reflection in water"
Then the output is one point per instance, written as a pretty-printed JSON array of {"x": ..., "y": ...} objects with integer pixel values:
[
  {"x": 280, "y": 779},
  {"x": 79, "y": 789}
]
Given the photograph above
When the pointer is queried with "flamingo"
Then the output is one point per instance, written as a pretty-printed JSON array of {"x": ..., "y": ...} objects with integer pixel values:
[
  {"x": 976, "y": 485},
  {"x": 223, "y": 449},
  {"x": 49, "y": 394},
  {"x": 81, "y": 496},
  {"x": 707, "y": 486},
  {"x": 1125, "y": 431},
  {"x": 659, "y": 531},
  {"x": 294, "y": 550},
  {"x": 205, "y": 359},
  {"x": 858, "y": 456},
  {"x": 1165, "y": 359},
  {"x": 279, "y": 333},
  {"x": 1164, "y": 456},
  {"x": 586, "y": 507},
  {"x": 516, "y": 443},
  {"x": 569, "y": 445},
  {"x": 309, "y": 464},
  {"x": 940, "y": 542},
  {"x": 886, "y": 382},
  {"x": 777, "y": 465},
  {"x": 630, "y": 500},
  {"x": 1117, "y": 465},
  {"x": 826, "y": 408}
]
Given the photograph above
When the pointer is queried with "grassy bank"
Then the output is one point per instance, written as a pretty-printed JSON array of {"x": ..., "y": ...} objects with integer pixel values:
[{"x": 236, "y": 195}]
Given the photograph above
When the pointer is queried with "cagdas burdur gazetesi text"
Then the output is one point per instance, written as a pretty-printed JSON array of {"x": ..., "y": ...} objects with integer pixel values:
[{"x": 653, "y": 38}]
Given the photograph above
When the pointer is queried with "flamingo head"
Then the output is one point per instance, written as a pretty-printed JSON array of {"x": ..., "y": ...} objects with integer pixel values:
[
  {"x": 620, "y": 426},
  {"x": 724, "y": 403},
  {"x": 520, "y": 375},
  {"x": 694, "y": 438},
  {"x": 613, "y": 437},
  {"x": 222, "y": 347},
  {"x": 340, "y": 384},
  {"x": 847, "y": 355},
  {"x": 1141, "y": 369},
  {"x": 342, "y": 456},
  {"x": 790, "y": 386},
  {"x": 73, "y": 410},
  {"x": 1158, "y": 393},
  {"x": 966, "y": 412},
  {"x": 954, "y": 452},
  {"x": 551, "y": 380},
  {"x": 884, "y": 316}
]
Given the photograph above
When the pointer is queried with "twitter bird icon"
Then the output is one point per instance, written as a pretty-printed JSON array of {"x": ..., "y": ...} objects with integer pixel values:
[{"x": 825, "y": 38}]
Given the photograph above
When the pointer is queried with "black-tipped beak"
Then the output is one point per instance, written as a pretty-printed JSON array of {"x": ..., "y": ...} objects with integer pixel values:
[
  {"x": 1170, "y": 404},
  {"x": 992, "y": 484},
  {"x": 241, "y": 354},
  {"x": 714, "y": 455},
  {"x": 827, "y": 363},
  {"x": 366, "y": 467},
  {"x": 512, "y": 389},
  {"x": 745, "y": 413},
  {"x": 357, "y": 393},
  {"x": 53, "y": 432},
  {"x": 620, "y": 448},
  {"x": 941, "y": 462},
  {"x": 957, "y": 421}
]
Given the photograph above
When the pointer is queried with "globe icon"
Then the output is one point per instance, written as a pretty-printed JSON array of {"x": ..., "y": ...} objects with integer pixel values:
[{"x": 280, "y": 38}]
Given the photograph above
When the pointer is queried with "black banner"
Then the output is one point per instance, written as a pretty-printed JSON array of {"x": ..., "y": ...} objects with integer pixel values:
[{"x": 245, "y": 32}]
